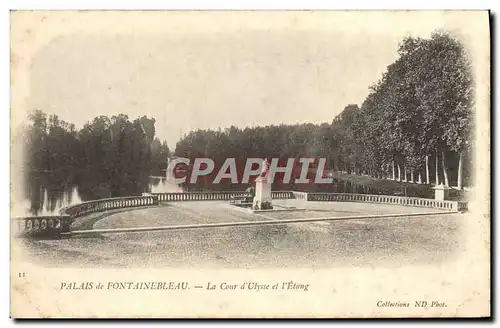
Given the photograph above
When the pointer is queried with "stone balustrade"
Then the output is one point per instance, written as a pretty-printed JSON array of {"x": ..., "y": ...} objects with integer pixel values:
[
  {"x": 41, "y": 226},
  {"x": 384, "y": 199},
  {"x": 282, "y": 195},
  {"x": 101, "y": 205},
  {"x": 317, "y": 196},
  {"x": 55, "y": 225},
  {"x": 300, "y": 195},
  {"x": 462, "y": 206},
  {"x": 197, "y": 196},
  {"x": 219, "y": 195}
]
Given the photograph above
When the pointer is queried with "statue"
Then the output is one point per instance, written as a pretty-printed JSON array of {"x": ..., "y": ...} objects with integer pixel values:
[
  {"x": 262, "y": 199},
  {"x": 265, "y": 170}
]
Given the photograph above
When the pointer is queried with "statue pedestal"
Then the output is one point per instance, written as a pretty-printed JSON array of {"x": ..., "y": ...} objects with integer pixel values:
[
  {"x": 262, "y": 199},
  {"x": 441, "y": 192}
]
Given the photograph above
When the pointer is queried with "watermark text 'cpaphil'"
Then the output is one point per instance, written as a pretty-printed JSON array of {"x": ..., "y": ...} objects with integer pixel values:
[{"x": 296, "y": 170}]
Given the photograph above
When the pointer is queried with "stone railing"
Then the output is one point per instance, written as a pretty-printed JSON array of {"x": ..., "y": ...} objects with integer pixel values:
[
  {"x": 216, "y": 195},
  {"x": 41, "y": 226},
  {"x": 462, "y": 206},
  {"x": 194, "y": 196},
  {"x": 282, "y": 195},
  {"x": 300, "y": 195},
  {"x": 393, "y": 200},
  {"x": 108, "y": 204},
  {"x": 316, "y": 196},
  {"x": 55, "y": 225}
]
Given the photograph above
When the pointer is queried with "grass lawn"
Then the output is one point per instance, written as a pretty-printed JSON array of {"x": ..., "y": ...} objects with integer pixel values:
[{"x": 391, "y": 187}]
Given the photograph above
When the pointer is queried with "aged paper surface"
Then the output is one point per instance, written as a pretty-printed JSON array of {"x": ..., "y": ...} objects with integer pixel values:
[{"x": 194, "y": 70}]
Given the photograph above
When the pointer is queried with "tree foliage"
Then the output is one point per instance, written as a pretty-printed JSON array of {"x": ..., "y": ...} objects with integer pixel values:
[
  {"x": 422, "y": 106},
  {"x": 114, "y": 152}
]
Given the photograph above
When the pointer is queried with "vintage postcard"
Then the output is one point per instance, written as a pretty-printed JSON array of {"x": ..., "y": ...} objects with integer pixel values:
[{"x": 250, "y": 164}]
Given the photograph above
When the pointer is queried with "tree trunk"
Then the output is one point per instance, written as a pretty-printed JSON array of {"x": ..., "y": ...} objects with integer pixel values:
[
  {"x": 460, "y": 168},
  {"x": 419, "y": 178},
  {"x": 399, "y": 172},
  {"x": 445, "y": 174},
  {"x": 411, "y": 176},
  {"x": 393, "y": 171},
  {"x": 437, "y": 168},
  {"x": 427, "y": 175}
]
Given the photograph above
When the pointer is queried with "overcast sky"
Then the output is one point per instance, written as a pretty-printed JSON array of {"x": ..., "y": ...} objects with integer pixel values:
[{"x": 235, "y": 76}]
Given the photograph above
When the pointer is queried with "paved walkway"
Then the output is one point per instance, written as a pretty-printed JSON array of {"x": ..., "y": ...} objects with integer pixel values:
[
  {"x": 207, "y": 212},
  {"x": 390, "y": 242}
]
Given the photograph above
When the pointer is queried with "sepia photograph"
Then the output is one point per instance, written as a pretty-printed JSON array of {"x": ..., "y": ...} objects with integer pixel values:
[{"x": 250, "y": 164}]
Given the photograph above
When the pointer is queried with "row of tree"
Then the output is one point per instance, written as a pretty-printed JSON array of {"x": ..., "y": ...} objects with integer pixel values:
[
  {"x": 420, "y": 109},
  {"x": 415, "y": 125},
  {"x": 116, "y": 151}
]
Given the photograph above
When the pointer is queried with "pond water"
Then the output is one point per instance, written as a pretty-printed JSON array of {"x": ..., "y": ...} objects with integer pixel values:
[{"x": 44, "y": 194}]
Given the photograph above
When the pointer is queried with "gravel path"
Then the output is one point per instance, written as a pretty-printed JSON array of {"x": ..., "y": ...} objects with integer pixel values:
[
  {"x": 360, "y": 242},
  {"x": 185, "y": 213}
]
